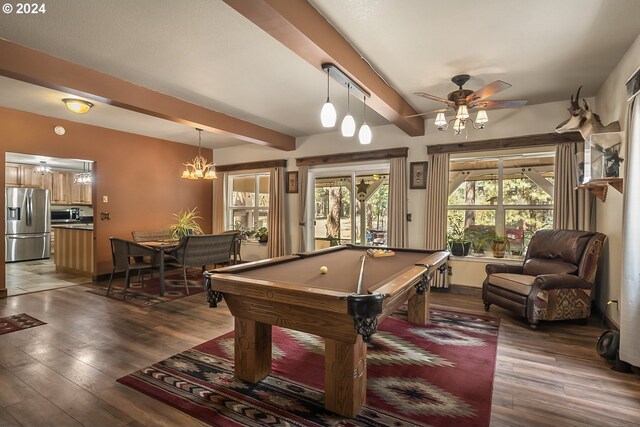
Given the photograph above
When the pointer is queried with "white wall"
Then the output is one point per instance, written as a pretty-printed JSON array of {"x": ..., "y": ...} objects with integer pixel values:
[
  {"x": 611, "y": 104},
  {"x": 535, "y": 119}
]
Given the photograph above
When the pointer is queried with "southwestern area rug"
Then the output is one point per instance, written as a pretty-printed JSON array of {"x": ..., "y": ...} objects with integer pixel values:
[
  {"x": 18, "y": 322},
  {"x": 150, "y": 294},
  {"x": 435, "y": 375}
]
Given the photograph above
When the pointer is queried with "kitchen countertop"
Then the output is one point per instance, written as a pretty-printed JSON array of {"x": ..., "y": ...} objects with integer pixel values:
[{"x": 74, "y": 226}]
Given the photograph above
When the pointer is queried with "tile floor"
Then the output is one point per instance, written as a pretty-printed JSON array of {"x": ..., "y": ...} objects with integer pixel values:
[{"x": 39, "y": 275}]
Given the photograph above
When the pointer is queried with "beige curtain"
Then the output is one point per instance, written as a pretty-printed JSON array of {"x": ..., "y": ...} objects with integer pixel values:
[
  {"x": 303, "y": 175},
  {"x": 437, "y": 195},
  {"x": 397, "y": 228},
  {"x": 572, "y": 209},
  {"x": 219, "y": 203},
  {"x": 276, "y": 213}
]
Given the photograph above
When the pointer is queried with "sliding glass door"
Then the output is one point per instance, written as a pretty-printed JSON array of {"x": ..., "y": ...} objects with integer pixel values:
[{"x": 350, "y": 208}]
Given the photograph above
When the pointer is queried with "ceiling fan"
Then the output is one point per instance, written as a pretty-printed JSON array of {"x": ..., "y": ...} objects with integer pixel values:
[{"x": 462, "y": 100}]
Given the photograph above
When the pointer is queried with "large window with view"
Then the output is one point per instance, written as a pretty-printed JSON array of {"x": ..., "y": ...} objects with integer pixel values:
[
  {"x": 492, "y": 198},
  {"x": 248, "y": 202}
]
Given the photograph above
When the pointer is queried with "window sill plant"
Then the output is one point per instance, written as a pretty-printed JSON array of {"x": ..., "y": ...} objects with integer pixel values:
[{"x": 458, "y": 243}]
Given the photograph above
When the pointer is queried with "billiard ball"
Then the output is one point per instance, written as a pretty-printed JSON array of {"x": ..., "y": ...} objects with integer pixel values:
[{"x": 323, "y": 270}]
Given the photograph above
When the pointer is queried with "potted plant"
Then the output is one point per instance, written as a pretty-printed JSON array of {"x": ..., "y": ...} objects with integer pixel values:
[
  {"x": 458, "y": 243},
  {"x": 480, "y": 239},
  {"x": 186, "y": 224},
  {"x": 499, "y": 245},
  {"x": 245, "y": 233},
  {"x": 262, "y": 234}
]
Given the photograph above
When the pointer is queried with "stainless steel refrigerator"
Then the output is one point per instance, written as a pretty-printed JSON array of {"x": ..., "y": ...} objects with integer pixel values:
[{"x": 27, "y": 224}]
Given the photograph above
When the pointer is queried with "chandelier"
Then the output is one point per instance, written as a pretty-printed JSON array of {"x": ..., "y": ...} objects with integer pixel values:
[
  {"x": 84, "y": 177},
  {"x": 42, "y": 168},
  {"x": 199, "y": 168}
]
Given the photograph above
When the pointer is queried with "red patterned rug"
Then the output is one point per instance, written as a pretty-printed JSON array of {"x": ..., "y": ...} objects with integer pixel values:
[
  {"x": 435, "y": 375},
  {"x": 18, "y": 322},
  {"x": 150, "y": 293}
]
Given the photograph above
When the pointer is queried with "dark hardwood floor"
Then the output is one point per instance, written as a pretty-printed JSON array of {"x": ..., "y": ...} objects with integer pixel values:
[{"x": 63, "y": 373}]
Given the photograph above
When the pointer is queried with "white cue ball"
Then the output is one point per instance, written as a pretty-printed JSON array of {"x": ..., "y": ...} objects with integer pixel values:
[{"x": 324, "y": 269}]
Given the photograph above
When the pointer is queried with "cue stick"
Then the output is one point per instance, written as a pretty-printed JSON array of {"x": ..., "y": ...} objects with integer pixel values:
[{"x": 364, "y": 257}]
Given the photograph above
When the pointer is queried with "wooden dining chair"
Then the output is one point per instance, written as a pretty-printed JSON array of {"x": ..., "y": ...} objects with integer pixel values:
[{"x": 128, "y": 256}]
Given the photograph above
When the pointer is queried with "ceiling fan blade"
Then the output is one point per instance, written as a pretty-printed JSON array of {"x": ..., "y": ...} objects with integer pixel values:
[
  {"x": 489, "y": 90},
  {"x": 495, "y": 105},
  {"x": 441, "y": 110},
  {"x": 435, "y": 98}
]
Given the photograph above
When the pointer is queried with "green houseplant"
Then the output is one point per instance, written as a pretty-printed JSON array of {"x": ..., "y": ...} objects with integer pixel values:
[
  {"x": 186, "y": 224},
  {"x": 499, "y": 245},
  {"x": 458, "y": 243},
  {"x": 262, "y": 234}
]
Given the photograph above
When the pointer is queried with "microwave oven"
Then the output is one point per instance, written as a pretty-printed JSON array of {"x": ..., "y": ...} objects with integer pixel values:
[{"x": 65, "y": 215}]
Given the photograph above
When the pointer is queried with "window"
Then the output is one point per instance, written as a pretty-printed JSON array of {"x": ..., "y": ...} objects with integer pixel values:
[
  {"x": 248, "y": 201},
  {"x": 510, "y": 196}
]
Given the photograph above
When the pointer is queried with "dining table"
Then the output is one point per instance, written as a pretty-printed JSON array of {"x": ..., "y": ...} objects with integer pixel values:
[{"x": 161, "y": 246}]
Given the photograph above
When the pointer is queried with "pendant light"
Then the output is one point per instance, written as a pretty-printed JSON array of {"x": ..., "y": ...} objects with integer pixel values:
[
  {"x": 348, "y": 123},
  {"x": 199, "y": 168},
  {"x": 364, "y": 135},
  {"x": 328, "y": 114}
]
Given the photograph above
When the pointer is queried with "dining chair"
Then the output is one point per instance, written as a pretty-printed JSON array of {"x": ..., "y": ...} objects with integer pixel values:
[
  {"x": 204, "y": 250},
  {"x": 129, "y": 256}
]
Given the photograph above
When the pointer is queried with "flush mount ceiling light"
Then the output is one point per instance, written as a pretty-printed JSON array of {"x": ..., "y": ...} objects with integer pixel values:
[
  {"x": 199, "y": 168},
  {"x": 42, "y": 168},
  {"x": 328, "y": 114},
  {"x": 77, "y": 106}
]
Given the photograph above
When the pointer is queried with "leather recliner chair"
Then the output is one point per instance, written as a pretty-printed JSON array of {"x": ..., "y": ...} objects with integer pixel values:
[{"x": 555, "y": 281}]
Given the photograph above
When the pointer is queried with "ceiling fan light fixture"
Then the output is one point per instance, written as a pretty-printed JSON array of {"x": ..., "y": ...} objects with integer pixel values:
[
  {"x": 458, "y": 126},
  {"x": 482, "y": 117},
  {"x": 462, "y": 112},
  {"x": 441, "y": 121}
]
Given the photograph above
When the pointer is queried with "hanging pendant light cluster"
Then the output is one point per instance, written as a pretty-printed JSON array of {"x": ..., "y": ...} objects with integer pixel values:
[
  {"x": 84, "y": 177},
  {"x": 328, "y": 114},
  {"x": 199, "y": 168},
  {"x": 42, "y": 169}
]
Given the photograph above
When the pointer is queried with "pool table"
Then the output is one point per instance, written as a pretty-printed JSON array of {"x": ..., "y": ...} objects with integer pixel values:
[{"x": 291, "y": 292}]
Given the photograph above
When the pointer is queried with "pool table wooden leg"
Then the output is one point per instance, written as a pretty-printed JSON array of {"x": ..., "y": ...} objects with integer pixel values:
[
  {"x": 252, "y": 350},
  {"x": 418, "y": 309},
  {"x": 345, "y": 376}
]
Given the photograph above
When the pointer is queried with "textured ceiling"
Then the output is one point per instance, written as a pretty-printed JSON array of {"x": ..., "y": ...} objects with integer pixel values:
[{"x": 206, "y": 53}]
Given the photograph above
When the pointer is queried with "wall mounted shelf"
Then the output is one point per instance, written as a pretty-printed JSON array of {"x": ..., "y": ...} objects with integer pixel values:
[{"x": 599, "y": 187}]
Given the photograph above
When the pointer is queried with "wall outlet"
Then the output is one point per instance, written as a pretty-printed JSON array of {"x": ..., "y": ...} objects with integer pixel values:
[
  {"x": 105, "y": 216},
  {"x": 105, "y": 199}
]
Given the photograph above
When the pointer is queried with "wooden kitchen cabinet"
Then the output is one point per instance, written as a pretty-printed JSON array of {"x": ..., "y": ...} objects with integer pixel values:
[
  {"x": 19, "y": 175},
  {"x": 60, "y": 188},
  {"x": 59, "y": 183}
]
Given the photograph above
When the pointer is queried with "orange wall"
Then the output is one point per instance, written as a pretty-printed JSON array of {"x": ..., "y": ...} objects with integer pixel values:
[{"x": 140, "y": 175}]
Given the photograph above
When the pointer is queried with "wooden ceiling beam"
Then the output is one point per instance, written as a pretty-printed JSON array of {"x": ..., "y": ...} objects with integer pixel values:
[
  {"x": 31, "y": 66},
  {"x": 300, "y": 27}
]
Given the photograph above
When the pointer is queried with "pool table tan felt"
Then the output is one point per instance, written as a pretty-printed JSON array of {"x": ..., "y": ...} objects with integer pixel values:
[{"x": 292, "y": 292}]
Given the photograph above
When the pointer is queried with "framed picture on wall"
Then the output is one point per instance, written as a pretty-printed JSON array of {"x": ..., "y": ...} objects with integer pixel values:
[
  {"x": 292, "y": 182},
  {"x": 418, "y": 175}
]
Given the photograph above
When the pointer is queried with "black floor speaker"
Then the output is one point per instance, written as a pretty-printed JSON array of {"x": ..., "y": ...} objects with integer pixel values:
[{"x": 607, "y": 346}]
